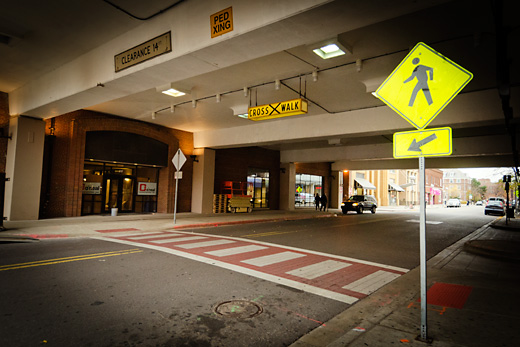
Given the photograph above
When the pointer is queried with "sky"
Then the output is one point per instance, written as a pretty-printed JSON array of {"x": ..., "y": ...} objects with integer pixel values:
[{"x": 494, "y": 174}]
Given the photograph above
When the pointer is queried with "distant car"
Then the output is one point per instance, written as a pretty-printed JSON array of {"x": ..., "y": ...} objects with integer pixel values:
[
  {"x": 359, "y": 203},
  {"x": 478, "y": 203},
  {"x": 495, "y": 207},
  {"x": 497, "y": 199},
  {"x": 453, "y": 203}
]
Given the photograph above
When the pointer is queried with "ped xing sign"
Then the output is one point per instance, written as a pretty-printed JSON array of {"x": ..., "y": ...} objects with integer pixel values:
[
  {"x": 423, "y": 143},
  {"x": 422, "y": 85},
  {"x": 277, "y": 110}
]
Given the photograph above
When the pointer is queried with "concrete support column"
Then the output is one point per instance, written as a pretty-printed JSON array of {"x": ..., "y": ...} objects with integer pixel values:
[
  {"x": 203, "y": 181},
  {"x": 287, "y": 186},
  {"x": 335, "y": 196},
  {"x": 24, "y": 164}
]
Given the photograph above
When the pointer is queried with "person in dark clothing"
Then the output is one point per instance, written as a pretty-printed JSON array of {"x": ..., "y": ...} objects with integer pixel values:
[
  {"x": 317, "y": 201},
  {"x": 323, "y": 202}
]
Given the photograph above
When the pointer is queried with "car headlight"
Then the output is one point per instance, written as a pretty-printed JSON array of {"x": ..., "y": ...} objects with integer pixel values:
[
  {"x": 355, "y": 204},
  {"x": 342, "y": 204}
]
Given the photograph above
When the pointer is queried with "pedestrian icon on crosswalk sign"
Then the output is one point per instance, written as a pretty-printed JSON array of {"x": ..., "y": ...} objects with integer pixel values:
[
  {"x": 422, "y": 74},
  {"x": 422, "y": 85}
]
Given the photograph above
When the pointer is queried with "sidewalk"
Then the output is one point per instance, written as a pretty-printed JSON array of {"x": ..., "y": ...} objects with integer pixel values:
[
  {"x": 473, "y": 285},
  {"x": 86, "y": 226}
]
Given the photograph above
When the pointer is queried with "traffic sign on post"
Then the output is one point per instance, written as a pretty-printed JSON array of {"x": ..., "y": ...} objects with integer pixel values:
[
  {"x": 178, "y": 159},
  {"x": 422, "y": 143},
  {"x": 422, "y": 85}
]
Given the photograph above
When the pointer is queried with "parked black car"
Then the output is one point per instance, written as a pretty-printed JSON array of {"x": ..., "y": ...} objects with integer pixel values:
[
  {"x": 359, "y": 203},
  {"x": 495, "y": 207}
]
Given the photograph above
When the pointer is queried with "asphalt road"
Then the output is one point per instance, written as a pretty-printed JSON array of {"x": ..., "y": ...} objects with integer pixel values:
[{"x": 87, "y": 292}]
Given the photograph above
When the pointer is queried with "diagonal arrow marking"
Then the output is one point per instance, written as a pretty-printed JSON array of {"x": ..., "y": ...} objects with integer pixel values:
[{"x": 416, "y": 146}]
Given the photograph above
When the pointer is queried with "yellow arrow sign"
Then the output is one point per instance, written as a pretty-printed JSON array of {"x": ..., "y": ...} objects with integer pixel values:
[
  {"x": 422, "y": 85},
  {"x": 422, "y": 143}
]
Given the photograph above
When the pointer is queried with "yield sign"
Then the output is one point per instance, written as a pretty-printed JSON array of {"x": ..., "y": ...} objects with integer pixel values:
[
  {"x": 178, "y": 159},
  {"x": 422, "y": 85}
]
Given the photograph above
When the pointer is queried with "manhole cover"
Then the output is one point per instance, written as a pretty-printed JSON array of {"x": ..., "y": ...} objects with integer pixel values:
[{"x": 238, "y": 309}]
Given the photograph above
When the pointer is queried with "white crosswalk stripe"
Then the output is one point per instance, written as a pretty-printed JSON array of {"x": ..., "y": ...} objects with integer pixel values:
[
  {"x": 372, "y": 282},
  {"x": 180, "y": 239},
  {"x": 205, "y": 244},
  {"x": 319, "y": 269},
  {"x": 235, "y": 250},
  {"x": 273, "y": 258}
]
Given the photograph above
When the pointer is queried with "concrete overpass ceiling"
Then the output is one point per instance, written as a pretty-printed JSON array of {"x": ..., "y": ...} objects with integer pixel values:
[{"x": 45, "y": 40}]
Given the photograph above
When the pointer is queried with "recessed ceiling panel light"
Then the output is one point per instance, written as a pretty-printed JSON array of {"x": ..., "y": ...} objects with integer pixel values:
[
  {"x": 173, "y": 92},
  {"x": 330, "y": 48}
]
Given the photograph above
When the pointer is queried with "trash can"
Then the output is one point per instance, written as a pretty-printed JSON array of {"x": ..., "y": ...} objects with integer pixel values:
[{"x": 114, "y": 212}]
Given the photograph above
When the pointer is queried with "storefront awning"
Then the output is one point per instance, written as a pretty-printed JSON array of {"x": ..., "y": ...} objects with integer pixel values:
[
  {"x": 393, "y": 186},
  {"x": 363, "y": 183}
]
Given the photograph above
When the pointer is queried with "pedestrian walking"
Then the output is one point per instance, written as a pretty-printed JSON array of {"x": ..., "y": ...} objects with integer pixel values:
[
  {"x": 323, "y": 201},
  {"x": 317, "y": 201}
]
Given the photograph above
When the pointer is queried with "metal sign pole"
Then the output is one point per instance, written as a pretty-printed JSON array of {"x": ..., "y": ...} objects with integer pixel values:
[
  {"x": 176, "y": 189},
  {"x": 422, "y": 231}
]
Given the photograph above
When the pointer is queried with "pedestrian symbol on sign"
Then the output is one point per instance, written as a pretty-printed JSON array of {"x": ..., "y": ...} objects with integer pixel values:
[
  {"x": 422, "y": 73},
  {"x": 414, "y": 76}
]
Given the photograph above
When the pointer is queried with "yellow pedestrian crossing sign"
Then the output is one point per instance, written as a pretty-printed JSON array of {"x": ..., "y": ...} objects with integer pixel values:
[
  {"x": 422, "y": 85},
  {"x": 422, "y": 143}
]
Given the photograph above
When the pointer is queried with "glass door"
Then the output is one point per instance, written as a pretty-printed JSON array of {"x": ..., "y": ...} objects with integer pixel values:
[
  {"x": 258, "y": 187},
  {"x": 127, "y": 194},
  {"x": 111, "y": 192},
  {"x": 119, "y": 193}
]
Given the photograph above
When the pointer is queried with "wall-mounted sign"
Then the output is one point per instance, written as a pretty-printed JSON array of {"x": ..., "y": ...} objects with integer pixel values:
[
  {"x": 146, "y": 188},
  {"x": 143, "y": 52},
  {"x": 92, "y": 188},
  {"x": 221, "y": 22},
  {"x": 277, "y": 110}
]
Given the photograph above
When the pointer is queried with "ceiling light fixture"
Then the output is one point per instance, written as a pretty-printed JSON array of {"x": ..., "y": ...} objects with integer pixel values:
[
  {"x": 172, "y": 90},
  {"x": 240, "y": 111},
  {"x": 331, "y": 48}
]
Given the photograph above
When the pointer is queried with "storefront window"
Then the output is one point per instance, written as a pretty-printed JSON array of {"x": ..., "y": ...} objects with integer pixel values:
[
  {"x": 146, "y": 199},
  {"x": 307, "y": 186},
  {"x": 92, "y": 188},
  {"x": 129, "y": 188}
]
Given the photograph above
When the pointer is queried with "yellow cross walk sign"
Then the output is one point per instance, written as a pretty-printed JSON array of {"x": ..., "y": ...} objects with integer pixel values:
[
  {"x": 422, "y": 143},
  {"x": 422, "y": 85}
]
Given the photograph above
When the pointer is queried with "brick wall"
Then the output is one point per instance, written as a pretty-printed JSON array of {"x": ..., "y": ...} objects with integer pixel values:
[
  {"x": 68, "y": 154},
  {"x": 233, "y": 165}
]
